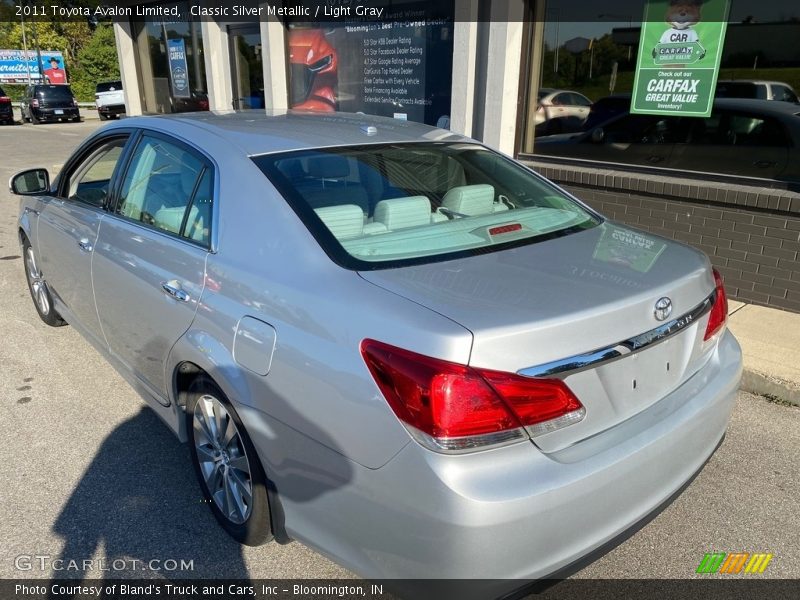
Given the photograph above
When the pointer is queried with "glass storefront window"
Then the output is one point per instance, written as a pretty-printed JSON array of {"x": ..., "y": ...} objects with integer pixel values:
[
  {"x": 392, "y": 68},
  {"x": 579, "y": 91},
  {"x": 170, "y": 64}
]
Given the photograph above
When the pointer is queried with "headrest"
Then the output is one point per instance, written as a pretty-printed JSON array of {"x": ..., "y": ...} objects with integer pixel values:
[
  {"x": 328, "y": 167},
  {"x": 470, "y": 199},
  {"x": 343, "y": 221},
  {"x": 399, "y": 213}
]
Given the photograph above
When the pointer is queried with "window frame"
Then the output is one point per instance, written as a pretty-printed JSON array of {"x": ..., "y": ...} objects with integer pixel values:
[
  {"x": 85, "y": 152},
  {"x": 208, "y": 165}
]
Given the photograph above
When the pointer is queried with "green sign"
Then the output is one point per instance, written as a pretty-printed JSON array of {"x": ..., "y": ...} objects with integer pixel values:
[{"x": 679, "y": 53}]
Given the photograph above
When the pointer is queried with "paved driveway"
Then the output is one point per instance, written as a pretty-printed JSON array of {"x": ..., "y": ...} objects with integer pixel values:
[{"x": 89, "y": 472}]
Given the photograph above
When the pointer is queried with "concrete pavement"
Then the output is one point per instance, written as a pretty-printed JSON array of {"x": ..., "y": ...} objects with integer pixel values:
[{"x": 770, "y": 341}]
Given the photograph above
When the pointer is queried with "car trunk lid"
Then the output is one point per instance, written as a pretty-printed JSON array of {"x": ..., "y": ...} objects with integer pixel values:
[{"x": 532, "y": 307}]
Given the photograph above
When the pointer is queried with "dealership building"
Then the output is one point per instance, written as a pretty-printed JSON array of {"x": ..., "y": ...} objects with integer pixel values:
[{"x": 484, "y": 68}]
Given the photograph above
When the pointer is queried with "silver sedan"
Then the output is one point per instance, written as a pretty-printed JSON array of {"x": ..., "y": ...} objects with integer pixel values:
[{"x": 386, "y": 340}]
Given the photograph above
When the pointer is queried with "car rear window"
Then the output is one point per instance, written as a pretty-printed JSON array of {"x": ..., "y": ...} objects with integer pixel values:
[
  {"x": 108, "y": 86},
  {"x": 382, "y": 206},
  {"x": 2, "y": 93},
  {"x": 54, "y": 91}
]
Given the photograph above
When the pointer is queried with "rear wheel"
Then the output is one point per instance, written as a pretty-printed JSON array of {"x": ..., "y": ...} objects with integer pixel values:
[
  {"x": 103, "y": 117},
  {"x": 226, "y": 464},
  {"x": 37, "y": 286},
  {"x": 33, "y": 119}
]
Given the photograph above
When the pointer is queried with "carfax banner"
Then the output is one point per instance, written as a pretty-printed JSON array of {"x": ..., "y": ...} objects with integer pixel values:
[{"x": 679, "y": 54}]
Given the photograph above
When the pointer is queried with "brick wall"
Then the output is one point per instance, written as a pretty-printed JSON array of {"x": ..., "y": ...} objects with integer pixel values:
[{"x": 757, "y": 249}]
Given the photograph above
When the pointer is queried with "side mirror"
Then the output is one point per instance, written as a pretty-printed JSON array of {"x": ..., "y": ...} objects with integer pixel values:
[
  {"x": 30, "y": 183},
  {"x": 598, "y": 135}
]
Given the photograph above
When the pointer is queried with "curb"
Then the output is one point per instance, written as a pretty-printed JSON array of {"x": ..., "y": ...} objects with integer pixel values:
[{"x": 761, "y": 384}]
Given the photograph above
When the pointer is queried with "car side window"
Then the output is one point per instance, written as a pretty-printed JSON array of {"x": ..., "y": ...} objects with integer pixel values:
[
  {"x": 784, "y": 94},
  {"x": 159, "y": 186},
  {"x": 89, "y": 180},
  {"x": 578, "y": 100}
]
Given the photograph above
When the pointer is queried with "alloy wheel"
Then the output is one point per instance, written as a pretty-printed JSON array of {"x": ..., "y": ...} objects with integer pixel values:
[
  {"x": 37, "y": 283},
  {"x": 222, "y": 458}
]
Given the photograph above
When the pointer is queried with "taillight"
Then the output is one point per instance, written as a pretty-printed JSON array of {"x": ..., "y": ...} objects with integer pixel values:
[
  {"x": 5, "y": 100},
  {"x": 35, "y": 103},
  {"x": 453, "y": 407},
  {"x": 75, "y": 102},
  {"x": 719, "y": 310}
]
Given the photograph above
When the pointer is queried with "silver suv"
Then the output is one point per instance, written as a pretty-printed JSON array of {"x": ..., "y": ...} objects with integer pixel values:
[
  {"x": 757, "y": 90},
  {"x": 109, "y": 99}
]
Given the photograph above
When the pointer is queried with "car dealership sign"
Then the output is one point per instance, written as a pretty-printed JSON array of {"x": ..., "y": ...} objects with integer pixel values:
[{"x": 679, "y": 53}]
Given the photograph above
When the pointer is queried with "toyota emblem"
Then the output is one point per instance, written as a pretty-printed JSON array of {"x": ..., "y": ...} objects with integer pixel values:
[{"x": 663, "y": 308}]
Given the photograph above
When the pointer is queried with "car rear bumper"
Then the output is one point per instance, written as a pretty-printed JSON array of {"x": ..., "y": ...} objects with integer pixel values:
[
  {"x": 50, "y": 114},
  {"x": 114, "y": 109},
  {"x": 513, "y": 514}
]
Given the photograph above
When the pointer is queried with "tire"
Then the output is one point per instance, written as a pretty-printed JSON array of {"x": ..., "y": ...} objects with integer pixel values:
[
  {"x": 222, "y": 467},
  {"x": 37, "y": 286},
  {"x": 33, "y": 119},
  {"x": 103, "y": 117}
]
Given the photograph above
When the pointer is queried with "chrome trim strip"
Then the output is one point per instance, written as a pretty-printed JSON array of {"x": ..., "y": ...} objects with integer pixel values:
[{"x": 589, "y": 360}]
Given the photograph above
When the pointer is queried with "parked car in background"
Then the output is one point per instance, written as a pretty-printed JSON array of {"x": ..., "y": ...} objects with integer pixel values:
[
  {"x": 560, "y": 111},
  {"x": 6, "y": 109},
  {"x": 430, "y": 361},
  {"x": 750, "y": 138},
  {"x": 196, "y": 102},
  {"x": 109, "y": 99},
  {"x": 605, "y": 108},
  {"x": 756, "y": 90},
  {"x": 49, "y": 102}
]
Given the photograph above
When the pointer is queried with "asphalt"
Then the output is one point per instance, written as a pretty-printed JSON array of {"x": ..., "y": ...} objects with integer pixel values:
[{"x": 89, "y": 472}]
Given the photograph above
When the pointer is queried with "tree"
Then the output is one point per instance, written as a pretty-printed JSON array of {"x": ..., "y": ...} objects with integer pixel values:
[{"x": 96, "y": 61}]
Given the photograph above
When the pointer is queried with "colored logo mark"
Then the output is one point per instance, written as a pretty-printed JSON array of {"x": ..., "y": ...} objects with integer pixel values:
[{"x": 721, "y": 562}]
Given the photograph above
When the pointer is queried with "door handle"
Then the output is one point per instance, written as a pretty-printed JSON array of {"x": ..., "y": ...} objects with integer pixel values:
[
  {"x": 173, "y": 289},
  {"x": 28, "y": 209},
  {"x": 763, "y": 164},
  {"x": 85, "y": 245}
]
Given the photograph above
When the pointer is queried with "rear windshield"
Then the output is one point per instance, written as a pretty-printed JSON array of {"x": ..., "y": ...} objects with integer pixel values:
[
  {"x": 2, "y": 93},
  {"x": 108, "y": 86},
  {"x": 380, "y": 206},
  {"x": 54, "y": 91}
]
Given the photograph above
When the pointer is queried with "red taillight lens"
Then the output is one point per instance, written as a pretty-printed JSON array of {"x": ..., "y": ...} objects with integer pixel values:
[
  {"x": 5, "y": 100},
  {"x": 719, "y": 310},
  {"x": 35, "y": 103},
  {"x": 459, "y": 407}
]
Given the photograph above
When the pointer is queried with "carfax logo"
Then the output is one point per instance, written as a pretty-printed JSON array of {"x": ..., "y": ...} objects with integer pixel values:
[
  {"x": 720, "y": 562},
  {"x": 681, "y": 42}
]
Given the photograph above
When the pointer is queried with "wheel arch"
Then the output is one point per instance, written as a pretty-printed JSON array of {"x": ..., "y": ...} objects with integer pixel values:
[{"x": 198, "y": 354}]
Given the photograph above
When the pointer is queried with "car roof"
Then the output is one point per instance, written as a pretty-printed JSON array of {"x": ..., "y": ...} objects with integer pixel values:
[
  {"x": 264, "y": 131},
  {"x": 754, "y": 81}
]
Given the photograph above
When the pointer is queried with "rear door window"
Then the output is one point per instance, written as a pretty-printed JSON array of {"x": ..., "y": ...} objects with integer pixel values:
[{"x": 160, "y": 187}]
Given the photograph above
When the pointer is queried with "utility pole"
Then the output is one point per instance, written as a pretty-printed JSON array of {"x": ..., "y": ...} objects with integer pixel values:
[{"x": 25, "y": 49}]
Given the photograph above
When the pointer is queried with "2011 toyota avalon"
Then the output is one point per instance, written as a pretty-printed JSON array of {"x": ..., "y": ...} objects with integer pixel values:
[{"x": 384, "y": 339}]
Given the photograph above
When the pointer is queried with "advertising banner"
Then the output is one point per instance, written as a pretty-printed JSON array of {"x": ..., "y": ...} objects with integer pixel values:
[
  {"x": 16, "y": 66},
  {"x": 178, "y": 69},
  {"x": 679, "y": 53},
  {"x": 398, "y": 68}
]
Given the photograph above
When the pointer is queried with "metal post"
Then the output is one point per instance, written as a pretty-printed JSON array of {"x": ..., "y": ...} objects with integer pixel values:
[{"x": 25, "y": 49}]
